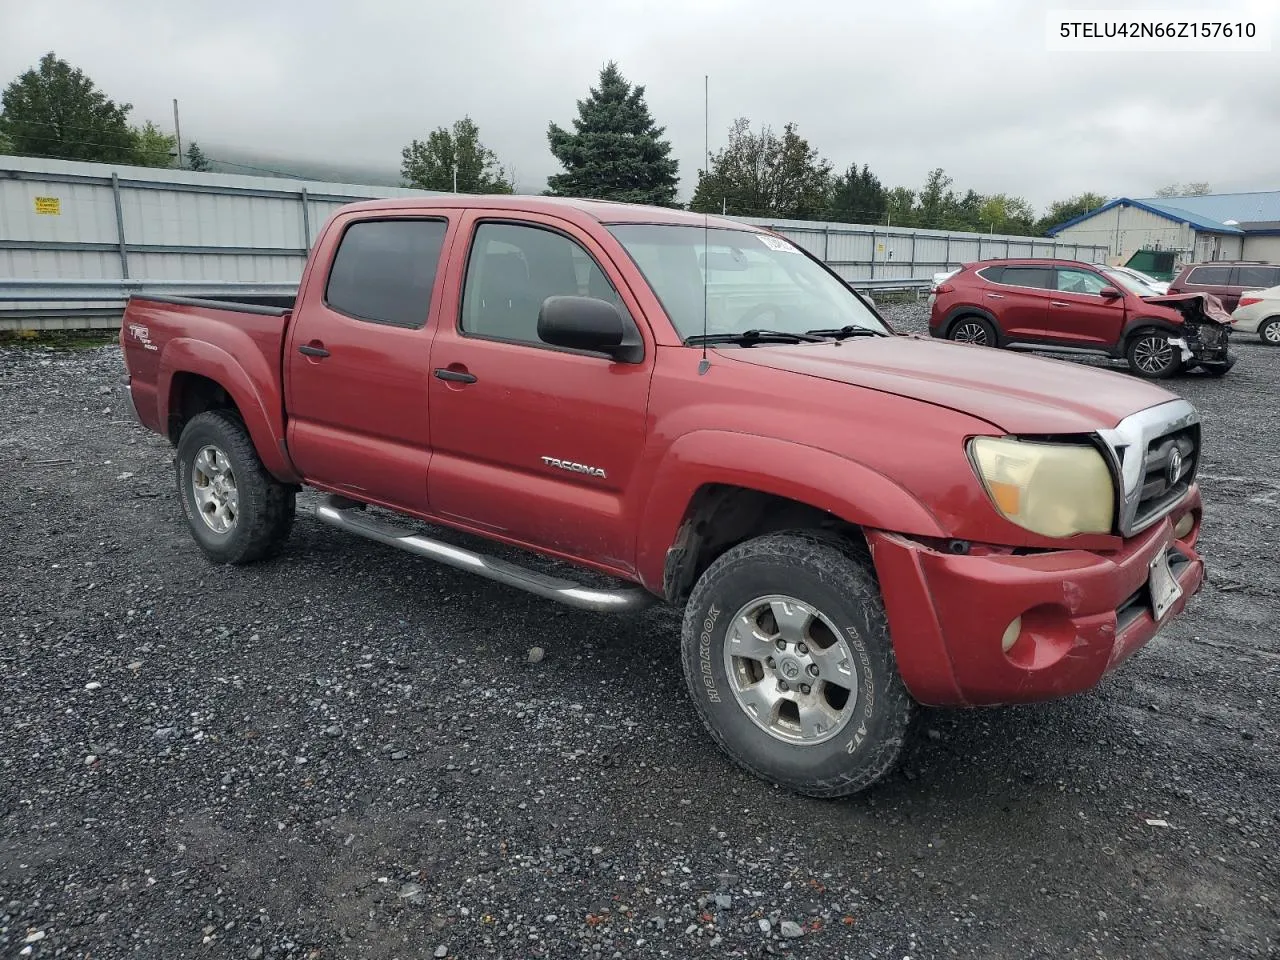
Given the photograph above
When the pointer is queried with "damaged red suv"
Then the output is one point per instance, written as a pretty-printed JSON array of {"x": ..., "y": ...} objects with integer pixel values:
[{"x": 1071, "y": 307}]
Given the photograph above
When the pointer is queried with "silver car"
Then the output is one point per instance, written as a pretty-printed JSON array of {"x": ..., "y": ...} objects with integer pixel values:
[{"x": 1259, "y": 312}]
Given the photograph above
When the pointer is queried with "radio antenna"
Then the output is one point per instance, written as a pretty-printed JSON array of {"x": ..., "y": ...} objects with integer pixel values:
[{"x": 705, "y": 364}]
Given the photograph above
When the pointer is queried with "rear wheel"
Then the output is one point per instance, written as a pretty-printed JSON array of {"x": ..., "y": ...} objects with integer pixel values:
[
  {"x": 787, "y": 657},
  {"x": 973, "y": 330},
  {"x": 1152, "y": 356},
  {"x": 1269, "y": 331},
  {"x": 236, "y": 511}
]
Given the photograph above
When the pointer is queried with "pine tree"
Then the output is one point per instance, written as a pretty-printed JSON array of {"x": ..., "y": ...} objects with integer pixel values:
[
  {"x": 617, "y": 151},
  {"x": 196, "y": 160}
]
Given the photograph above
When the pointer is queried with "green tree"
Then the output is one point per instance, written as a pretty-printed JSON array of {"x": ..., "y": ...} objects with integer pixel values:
[
  {"x": 6, "y": 145},
  {"x": 900, "y": 207},
  {"x": 1060, "y": 211},
  {"x": 937, "y": 201},
  {"x": 152, "y": 147},
  {"x": 765, "y": 175},
  {"x": 616, "y": 151},
  {"x": 858, "y": 196},
  {"x": 1001, "y": 213},
  {"x": 430, "y": 164},
  {"x": 54, "y": 110},
  {"x": 196, "y": 160}
]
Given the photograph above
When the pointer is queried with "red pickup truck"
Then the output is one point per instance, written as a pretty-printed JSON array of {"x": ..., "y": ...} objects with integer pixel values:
[{"x": 695, "y": 411}]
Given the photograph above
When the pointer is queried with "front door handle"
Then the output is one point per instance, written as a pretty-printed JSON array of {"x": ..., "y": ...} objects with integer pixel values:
[
  {"x": 1059, "y": 303},
  {"x": 996, "y": 296},
  {"x": 313, "y": 349},
  {"x": 457, "y": 376}
]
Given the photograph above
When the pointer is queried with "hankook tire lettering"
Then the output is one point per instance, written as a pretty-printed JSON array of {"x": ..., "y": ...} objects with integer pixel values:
[{"x": 704, "y": 653}]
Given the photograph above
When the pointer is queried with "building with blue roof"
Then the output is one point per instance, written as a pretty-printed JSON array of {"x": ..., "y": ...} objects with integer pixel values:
[{"x": 1221, "y": 226}]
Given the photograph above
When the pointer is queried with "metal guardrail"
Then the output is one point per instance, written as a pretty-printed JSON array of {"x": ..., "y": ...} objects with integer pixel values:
[{"x": 98, "y": 291}]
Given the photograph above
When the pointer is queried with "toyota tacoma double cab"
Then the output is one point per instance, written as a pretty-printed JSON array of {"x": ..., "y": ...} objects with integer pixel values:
[
  {"x": 1071, "y": 307},
  {"x": 693, "y": 411}
]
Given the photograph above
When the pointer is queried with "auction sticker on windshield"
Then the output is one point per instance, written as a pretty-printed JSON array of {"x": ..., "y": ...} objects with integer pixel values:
[{"x": 776, "y": 243}]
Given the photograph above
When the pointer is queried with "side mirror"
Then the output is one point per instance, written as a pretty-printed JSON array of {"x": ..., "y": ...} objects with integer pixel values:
[
  {"x": 581, "y": 323},
  {"x": 1110, "y": 293}
]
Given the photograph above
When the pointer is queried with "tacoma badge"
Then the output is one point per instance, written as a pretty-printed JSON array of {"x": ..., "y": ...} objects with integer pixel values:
[{"x": 574, "y": 467}]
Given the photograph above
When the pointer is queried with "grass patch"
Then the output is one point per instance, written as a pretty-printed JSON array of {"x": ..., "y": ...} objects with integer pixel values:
[{"x": 58, "y": 339}]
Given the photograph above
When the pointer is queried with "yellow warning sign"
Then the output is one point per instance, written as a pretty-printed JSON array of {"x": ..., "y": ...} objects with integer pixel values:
[{"x": 50, "y": 205}]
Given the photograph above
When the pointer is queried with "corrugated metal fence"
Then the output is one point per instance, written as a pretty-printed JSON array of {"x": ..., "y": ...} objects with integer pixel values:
[
  {"x": 62, "y": 220},
  {"x": 878, "y": 253}
]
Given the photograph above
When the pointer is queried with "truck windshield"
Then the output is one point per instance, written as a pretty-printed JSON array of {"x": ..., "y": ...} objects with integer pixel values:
[{"x": 752, "y": 281}]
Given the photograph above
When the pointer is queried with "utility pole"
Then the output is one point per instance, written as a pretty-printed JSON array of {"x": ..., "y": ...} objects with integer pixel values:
[{"x": 177, "y": 130}]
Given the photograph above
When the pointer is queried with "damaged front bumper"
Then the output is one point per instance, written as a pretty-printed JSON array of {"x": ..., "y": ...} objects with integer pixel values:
[{"x": 1007, "y": 628}]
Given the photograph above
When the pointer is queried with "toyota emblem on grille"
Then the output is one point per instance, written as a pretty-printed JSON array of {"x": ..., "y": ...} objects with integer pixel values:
[{"x": 1175, "y": 466}]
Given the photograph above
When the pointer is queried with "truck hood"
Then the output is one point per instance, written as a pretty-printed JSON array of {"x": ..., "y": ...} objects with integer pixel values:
[{"x": 1014, "y": 392}]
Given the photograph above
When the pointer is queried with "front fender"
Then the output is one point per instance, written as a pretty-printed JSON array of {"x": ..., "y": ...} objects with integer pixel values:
[
  {"x": 850, "y": 490},
  {"x": 248, "y": 381}
]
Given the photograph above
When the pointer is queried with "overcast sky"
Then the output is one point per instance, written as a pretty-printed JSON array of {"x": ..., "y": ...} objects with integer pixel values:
[{"x": 903, "y": 85}]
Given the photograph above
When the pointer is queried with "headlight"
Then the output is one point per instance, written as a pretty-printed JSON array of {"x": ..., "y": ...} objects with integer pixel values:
[{"x": 1053, "y": 489}]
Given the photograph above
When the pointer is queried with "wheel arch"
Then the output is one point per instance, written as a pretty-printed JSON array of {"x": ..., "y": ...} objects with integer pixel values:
[
  {"x": 956, "y": 314},
  {"x": 710, "y": 494}
]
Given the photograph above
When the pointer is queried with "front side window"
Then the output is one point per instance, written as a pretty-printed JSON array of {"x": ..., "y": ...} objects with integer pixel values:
[
  {"x": 747, "y": 280},
  {"x": 513, "y": 268},
  {"x": 1080, "y": 281},
  {"x": 1128, "y": 281},
  {"x": 1259, "y": 277},
  {"x": 384, "y": 271}
]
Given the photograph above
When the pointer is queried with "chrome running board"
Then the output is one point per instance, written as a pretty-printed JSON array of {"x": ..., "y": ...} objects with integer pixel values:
[{"x": 622, "y": 600}]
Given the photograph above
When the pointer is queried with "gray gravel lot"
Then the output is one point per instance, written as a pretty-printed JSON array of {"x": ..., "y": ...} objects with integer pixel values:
[{"x": 347, "y": 753}]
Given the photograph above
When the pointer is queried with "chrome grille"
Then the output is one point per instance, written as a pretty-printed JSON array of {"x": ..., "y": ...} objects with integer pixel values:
[{"x": 1142, "y": 447}]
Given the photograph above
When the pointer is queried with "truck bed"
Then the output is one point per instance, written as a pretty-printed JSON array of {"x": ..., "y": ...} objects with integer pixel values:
[{"x": 243, "y": 337}]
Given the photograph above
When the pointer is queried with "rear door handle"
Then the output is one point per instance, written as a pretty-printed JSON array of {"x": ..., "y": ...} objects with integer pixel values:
[
  {"x": 1059, "y": 303},
  {"x": 996, "y": 296},
  {"x": 457, "y": 376},
  {"x": 313, "y": 350}
]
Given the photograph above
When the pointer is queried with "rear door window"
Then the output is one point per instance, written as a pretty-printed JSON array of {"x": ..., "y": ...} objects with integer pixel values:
[
  {"x": 1038, "y": 277},
  {"x": 384, "y": 271},
  {"x": 1210, "y": 276},
  {"x": 1258, "y": 277}
]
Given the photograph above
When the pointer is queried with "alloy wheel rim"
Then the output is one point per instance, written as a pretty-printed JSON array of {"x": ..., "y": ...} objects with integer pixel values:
[
  {"x": 1272, "y": 331},
  {"x": 1153, "y": 354},
  {"x": 971, "y": 333},
  {"x": 213, "y": 487},
  {"x": 791, "y": 671}
]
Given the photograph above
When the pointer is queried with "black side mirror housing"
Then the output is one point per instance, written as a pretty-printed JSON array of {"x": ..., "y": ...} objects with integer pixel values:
[
  {"x": 1110, "y": 293},
  {"x": 582, "y": 323}
]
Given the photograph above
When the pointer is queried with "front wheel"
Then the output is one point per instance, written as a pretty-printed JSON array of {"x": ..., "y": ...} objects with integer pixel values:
[
  {"x": 1151, "y": 355},
  {"x": 1269, "y": 332},
  {"x": 787, "y": 656}
]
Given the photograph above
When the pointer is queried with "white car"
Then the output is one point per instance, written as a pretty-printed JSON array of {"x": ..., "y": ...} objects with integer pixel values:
[
  {"x": 1159, "y": 286},
  {"x": 1259, "y": 312}
]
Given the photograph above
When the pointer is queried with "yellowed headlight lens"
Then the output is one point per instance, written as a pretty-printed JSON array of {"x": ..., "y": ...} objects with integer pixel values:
[{"x": 1053, "y": 489}]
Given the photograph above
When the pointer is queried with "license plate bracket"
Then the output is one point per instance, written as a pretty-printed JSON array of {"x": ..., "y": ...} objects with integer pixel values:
[{"x": 1162, "y": 584}]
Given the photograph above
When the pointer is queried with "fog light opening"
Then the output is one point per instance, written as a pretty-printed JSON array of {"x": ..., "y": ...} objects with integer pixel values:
[
  {"x": 1011, "y": 634},
  {"x": 1185, "y": 525}
]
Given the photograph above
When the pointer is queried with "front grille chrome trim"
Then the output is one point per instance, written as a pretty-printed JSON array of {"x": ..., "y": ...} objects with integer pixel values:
[{"x": 1127, "y": 445}]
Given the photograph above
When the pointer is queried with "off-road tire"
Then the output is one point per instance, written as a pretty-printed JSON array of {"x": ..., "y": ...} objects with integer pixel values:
[
  {"x": 964, "y": 324},
  {"x": 1145, "y": 340},
  {"x": 266, "y": 506},
  {"x": 835, "y": 576}
]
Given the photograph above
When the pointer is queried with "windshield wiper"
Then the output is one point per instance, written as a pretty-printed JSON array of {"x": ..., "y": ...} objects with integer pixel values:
[
  {"x": 847, "y": 331},
  {"x": 748, "y": 337}
]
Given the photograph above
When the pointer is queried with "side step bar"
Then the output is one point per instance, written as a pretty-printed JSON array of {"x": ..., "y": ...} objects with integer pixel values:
[{"x": 623, "y": 600}]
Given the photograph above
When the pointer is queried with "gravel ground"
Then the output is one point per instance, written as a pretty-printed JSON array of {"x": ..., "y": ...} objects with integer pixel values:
[{"x": 348, "y": 753}]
